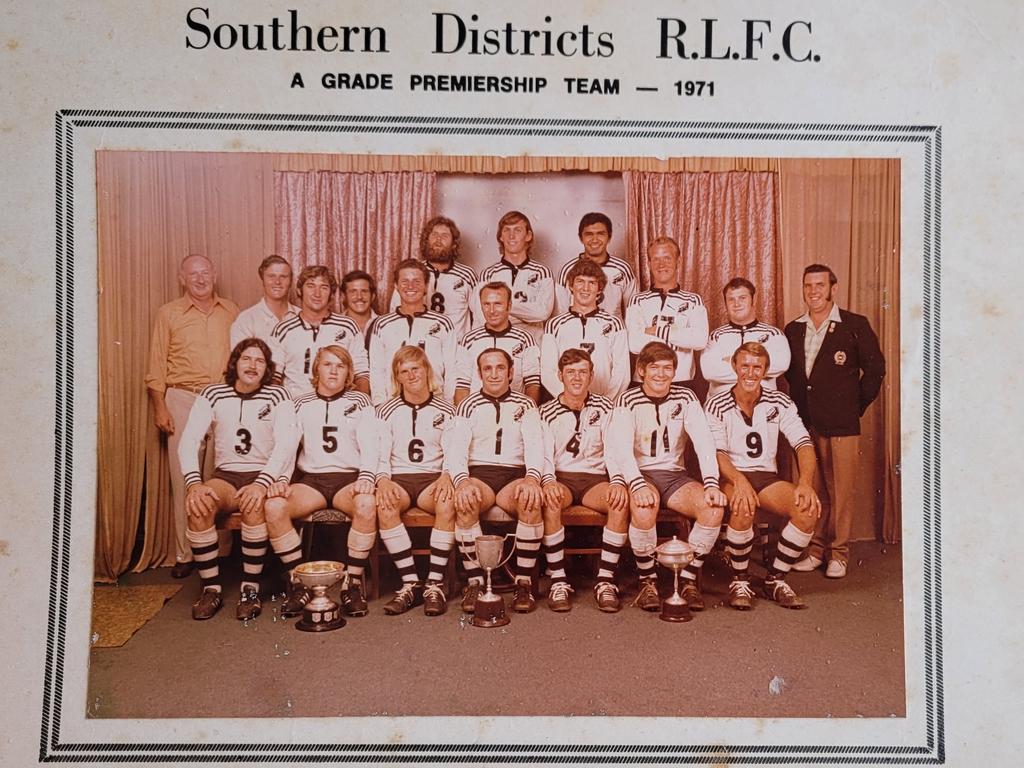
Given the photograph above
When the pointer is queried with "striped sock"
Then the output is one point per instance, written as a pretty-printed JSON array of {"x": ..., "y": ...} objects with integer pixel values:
[
  {"x": 254, "y": 550},
  {"x": 466, "y": 537},
  {"x": 399, "y": 545},
  {"x": 738, "y": 544},
  {"x": 612, "y": 544},
  {"x": 792, "y": 543},
  {"x": 528, "y": 539},
  {"x": 204, "y": 553},
  {"x": 643, "y": 541},
  {"x": 359, "y": 546},
  {"x": 702, "y": 538},
  {"x": 554, "y": 552},
  {"x": 440, "y": 549},
  {"x": 288, "y": 547}
]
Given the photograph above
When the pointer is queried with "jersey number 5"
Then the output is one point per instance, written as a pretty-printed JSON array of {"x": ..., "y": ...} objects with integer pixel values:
[{"x": 330, "y": 441}]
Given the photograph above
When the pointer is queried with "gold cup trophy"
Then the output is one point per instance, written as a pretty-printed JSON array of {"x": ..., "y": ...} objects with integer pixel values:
[
  {"x": 321, "y": 614},
  {"x": 675, "y": 555}
]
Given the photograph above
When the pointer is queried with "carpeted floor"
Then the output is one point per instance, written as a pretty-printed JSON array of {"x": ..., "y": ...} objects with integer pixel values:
[
  {"x": 118, "y": 612},
  {"x": 843, "y": 657}
]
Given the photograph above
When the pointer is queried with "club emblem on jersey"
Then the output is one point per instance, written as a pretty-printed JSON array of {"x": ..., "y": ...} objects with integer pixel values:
[
  {"x": 593, "y": 418},
  {"x": 677, "y": 411},
  {"x": 683, "y": 307},
  {"x": 340, "y": 335},
  {"x": 617, "y": 280},
  {"x": 606, "y": 331},
  {"x": 460, "y": 284},
  {"x": 264, "y": 412},
  {"x": 773, "y": 414},
  {"x": 520, "y": 411},
  {"x": 351, "y": 409},
  {"x": 763, "y": 338},
  {"x": 438, "y": 421},
  {"x": 517, "y": 350},
  {"x": 840, "y": 357},
  {"x": 434, "y": 329},
  {"x": 533, "y": 279}
]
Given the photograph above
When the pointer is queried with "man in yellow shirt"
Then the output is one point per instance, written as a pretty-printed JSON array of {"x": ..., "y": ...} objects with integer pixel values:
[{"x": 189, "y": 349}]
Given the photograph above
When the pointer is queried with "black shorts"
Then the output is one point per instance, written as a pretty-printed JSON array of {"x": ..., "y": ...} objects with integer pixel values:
[
  {"x": 667, "y": 481},
  {"x": 495, "y": 476},
  {"x": 326, "y": 483},
  {"x": 415, "y": 483},
  {"x": 760, "y": 479},
  {"x": 236, "y": 480},
  {"x": 579, "y": 483}
]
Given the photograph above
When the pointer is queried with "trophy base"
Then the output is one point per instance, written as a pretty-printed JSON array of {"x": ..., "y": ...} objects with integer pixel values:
[
  {"x": 320, "y": 621},
  {"x": 676, "y": 612},
  {"x": 490, "y": 612}
]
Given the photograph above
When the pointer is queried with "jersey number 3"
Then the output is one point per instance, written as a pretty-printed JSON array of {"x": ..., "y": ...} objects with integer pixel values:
[{"x": 244, "y": 444}]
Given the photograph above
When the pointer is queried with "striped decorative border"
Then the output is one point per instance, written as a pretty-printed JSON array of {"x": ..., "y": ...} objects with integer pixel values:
[{"x": 52, "y": 749}]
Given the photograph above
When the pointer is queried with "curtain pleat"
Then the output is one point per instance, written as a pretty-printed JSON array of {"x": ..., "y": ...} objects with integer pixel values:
[{"x": 367, "y": 221}]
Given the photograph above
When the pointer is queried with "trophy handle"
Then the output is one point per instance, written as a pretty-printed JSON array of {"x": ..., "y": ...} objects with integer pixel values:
[
  {"x": 511, "y": 551},
  {"x": 476, "y": 562}
]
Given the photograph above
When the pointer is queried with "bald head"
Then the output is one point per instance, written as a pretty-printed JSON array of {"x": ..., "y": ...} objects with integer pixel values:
[{"x": 197, "y": 276}]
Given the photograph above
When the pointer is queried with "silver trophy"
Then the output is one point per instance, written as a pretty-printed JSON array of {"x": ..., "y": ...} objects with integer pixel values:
[
  {"x": 321, "y": 613},
  {"x": 675, "y": 555},
  {"x": 489, "y": 609}
]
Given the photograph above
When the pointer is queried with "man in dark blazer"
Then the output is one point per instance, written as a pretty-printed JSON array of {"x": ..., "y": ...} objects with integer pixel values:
[{"x": 835, "y": 374}]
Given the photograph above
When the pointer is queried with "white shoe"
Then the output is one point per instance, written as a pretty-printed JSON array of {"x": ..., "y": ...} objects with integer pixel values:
[
  {"x": 809, "y": 563},
  {"x": 836, "y": 569}
]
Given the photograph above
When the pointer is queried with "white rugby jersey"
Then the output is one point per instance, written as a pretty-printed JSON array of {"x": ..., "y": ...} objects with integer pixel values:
[
  {"x": 680, "y": 318},
  {"x": 448, "y": 293},
  {"x": 258, "y": 321},
  {"x": 337, "y": 434},
  {"x": 254, "y": 432},
  {"x": 413, "y": 438},
  {"x": 294, "y": 344},
  {"x": 600, "y": 334},
  {"x": 518, "y": 343},
  {"x": 503, "y": 431},
  {"x": 660, "y": 429},
  {"x": 716, "y": 359},
  {"x": 620, "y": 289},
  {"x": 430, "y": 331},
  {"x": 533, "y": 292},
  {"x": 574, "y": 441},
  {"x": 751, "y": 444}
]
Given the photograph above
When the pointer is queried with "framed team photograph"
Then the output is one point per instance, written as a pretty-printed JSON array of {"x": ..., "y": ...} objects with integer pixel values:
[
  {"x": 739, "y": 234},
  {"x": 574, "y": 400}
]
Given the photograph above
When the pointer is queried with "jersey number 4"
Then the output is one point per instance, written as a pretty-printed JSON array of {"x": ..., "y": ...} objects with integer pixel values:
[{"x": 573, "y": 446}]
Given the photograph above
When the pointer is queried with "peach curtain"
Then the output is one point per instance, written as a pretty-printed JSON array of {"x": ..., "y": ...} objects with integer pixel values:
[
  {"x": 725, "y": 224},
  {"x": 153, "y": 209},
  {"x": 367, "y": 221},
  {"x": 846, "y": 213}
]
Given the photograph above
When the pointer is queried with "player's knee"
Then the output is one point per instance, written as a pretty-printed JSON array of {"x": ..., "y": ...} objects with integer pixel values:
[
  {"x": 644, "y": 517},
  {"x": 552, "y": 517},
  {"x": 467, "y": 518},
  {"x": 711, "y": 516},
  {"x": 389, "y": 518},
  {"x": 803, "y": 519},
  {"x": 253, "y": 516},
  {"x": 741, "y": 521},
  {"x": 364, "y": 508},
  {"x": 275, "y": 511}
]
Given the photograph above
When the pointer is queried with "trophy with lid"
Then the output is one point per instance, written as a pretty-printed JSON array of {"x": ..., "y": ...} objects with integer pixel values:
[{"x": 675, "y": 555}]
